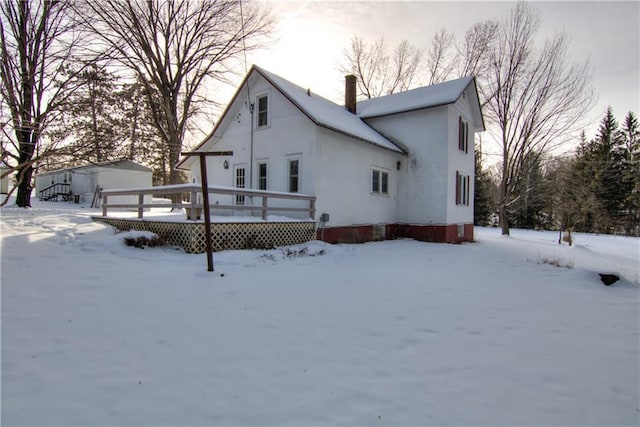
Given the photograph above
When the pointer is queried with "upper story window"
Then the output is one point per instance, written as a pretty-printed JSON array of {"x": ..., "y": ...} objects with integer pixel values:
[
  {"x": 263, "y": 111},
  {"x": 379, "y": 181},
  {"x": 463, "y": 189},
  {"x": 463, "y": 135}
]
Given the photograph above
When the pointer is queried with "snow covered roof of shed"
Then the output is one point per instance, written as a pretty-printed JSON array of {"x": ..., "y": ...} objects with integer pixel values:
[
  {"x": 113, "y": 164},
  {"x": 326, "y": 113},
  {"x": 414, "y": 99}
]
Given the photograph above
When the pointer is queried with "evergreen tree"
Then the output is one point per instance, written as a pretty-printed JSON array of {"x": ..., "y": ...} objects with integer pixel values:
[
  {"x": 631, "y": 177},
  {"x": 612, "y": 190},
  {"x": 482, "y": 206},
  {"x": 527, "y": 210},
  {"x": 92, "y": 117}
]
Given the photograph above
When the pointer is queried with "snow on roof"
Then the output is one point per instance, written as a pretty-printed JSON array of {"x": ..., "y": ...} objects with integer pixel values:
[
  {"x": 415, "y": 99},
  {"x": 116, "y": 164},
  {"x": 326, "y": 113}
]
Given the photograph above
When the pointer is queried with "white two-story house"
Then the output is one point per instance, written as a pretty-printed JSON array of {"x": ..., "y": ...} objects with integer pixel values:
[{"x": 397, "y": 166}]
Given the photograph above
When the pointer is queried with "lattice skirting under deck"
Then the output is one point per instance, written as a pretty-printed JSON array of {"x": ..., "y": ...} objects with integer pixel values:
[{"x": 224, "y": 236}]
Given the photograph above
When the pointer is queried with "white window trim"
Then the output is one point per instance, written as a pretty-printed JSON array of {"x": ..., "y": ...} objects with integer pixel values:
[
  {"x": 289, "y": 158},
  {"x": 462, "y": 189},
  {"x": 380, "y": 172},
  {"x": 257, "y": 112},
  {"x": 258, "y": 163},
  {"x": 239, "y": 200}
]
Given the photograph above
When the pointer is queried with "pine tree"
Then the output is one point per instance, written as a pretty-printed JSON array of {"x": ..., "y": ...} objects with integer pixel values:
[
  {"x": 631, "y": 174},
  {"x": 527, "y": 210},
  {"x": 482, "y": 206}
]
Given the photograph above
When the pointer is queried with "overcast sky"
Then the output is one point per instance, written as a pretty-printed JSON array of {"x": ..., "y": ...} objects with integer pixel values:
[{"x": 311, "y": 36}]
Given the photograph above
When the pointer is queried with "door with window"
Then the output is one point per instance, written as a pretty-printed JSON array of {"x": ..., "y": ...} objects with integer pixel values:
[{"x": 240, "y": 179}]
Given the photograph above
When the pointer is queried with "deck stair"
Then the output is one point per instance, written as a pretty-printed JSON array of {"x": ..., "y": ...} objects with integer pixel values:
[{"x": 57, "y": 192}]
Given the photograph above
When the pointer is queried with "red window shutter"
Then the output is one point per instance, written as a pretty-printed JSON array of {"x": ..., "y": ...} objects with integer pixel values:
[
  {"x": 468, "y": 189},
  {"x": 466, "y": 137},
  {"x": 457, "y": 188},
  {"x": 460, "y": 133}
]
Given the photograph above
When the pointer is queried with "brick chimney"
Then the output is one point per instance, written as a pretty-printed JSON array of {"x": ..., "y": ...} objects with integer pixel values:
[{"x": 350, "y": 82}]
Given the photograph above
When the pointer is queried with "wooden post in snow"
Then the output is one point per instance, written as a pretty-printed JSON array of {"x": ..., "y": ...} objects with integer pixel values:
[{"x": 205, "y": 197}]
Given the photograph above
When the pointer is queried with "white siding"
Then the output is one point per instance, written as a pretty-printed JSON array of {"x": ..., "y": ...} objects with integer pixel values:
[
  {"x": 289, "y": 133},
  {"x": 459, "y": 161},
  {"x": 343, "y": 177},
  {"x": 423, "y": 178}
]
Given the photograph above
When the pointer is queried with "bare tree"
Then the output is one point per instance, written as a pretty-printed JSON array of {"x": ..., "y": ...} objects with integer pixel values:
[
  {"x": 474, "y": 57},
  {"x": 173, "y": 47},
  {"x": 442, "y": 57},
  {"x": 37, "y": 39},
  {"x": 378, "y": 72},
  {"x": 538, "y": 98}
]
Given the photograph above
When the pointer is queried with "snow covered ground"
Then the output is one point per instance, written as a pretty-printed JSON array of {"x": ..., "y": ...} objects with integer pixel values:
[{"x": 392, "y": 333}]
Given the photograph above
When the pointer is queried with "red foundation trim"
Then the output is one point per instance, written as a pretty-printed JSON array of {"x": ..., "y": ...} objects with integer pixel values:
[{"x": 425, "y": 233}]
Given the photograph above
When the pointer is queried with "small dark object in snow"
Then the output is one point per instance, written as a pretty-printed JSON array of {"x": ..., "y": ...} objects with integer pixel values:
[{"x": 608, "y": 279}]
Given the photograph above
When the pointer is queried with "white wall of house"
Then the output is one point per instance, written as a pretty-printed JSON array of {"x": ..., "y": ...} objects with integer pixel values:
[
  {"x": 289, "y": 134},
  {"x": 460, "y": 161},
  {"x": 423, "y": 178},
  {"x": 343, "y": 178}
]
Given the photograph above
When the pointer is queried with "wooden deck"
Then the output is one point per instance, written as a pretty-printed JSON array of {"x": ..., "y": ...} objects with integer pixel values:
[{"x": 190, "y": 233}]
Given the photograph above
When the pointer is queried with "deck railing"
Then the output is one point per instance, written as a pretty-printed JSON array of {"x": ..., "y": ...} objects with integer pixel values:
[{"x": 194, "y": 194}]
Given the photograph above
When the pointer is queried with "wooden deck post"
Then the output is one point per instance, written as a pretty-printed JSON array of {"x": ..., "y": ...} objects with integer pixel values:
[
  {"x": 104, "y": 205},
  {"x": 205, "y": 198},
  {"x": 140, "y": 203},
  {"x": 312, "y": 208},
  {"x": 264, "y": 208}
]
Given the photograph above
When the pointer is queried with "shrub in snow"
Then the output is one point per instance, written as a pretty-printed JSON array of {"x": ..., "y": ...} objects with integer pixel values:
[
  {"x": 144, "y": 239},
  {"x": 303, "y": 252},
  {"x": 558, "y": 262}
]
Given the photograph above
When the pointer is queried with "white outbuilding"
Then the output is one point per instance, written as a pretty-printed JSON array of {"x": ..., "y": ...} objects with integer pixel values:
[{"x": 81, "y": 183}]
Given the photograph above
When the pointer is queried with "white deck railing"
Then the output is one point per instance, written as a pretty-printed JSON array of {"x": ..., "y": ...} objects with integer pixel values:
[{"x": 194, "y": 192}]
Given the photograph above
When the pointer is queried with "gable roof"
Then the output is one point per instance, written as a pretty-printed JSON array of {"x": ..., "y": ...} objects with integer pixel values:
[
  {"x": 319, "y": 110},
  {"x": 326, "y": 113},
  {"x": 416, "y": 99},
  {"x": 329, "y": 115}
]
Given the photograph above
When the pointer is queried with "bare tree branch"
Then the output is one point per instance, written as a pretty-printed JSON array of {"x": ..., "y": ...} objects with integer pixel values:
[
  {"x": 174, "y": 47},
  {"x": 377, "y": 72}
]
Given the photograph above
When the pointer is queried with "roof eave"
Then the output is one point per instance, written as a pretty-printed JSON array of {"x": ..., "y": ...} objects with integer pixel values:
[
  {"x": 181, "y": 164},
  {"x": 318, "y": 123}
]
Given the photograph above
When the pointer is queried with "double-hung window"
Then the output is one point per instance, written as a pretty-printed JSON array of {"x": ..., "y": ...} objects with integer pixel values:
[
  {"x": 463, "y": 189},
  {"x": 463, "y": 135},
  {"x": 240, "y": 178},
  {"x": 263, "y": 111},
  {"x": 294, "y": 174},
  {"x": 379, "y": 181},
  {"x": 262, "y": 175}
]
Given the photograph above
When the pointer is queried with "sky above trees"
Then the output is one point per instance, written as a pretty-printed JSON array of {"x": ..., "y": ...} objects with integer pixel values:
[{"x": 311, "y": 36}]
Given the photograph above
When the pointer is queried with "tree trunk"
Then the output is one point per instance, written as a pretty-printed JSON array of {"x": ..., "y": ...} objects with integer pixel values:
[
  {"x": 23, "y": 198},
  {"x": 504, "y": 221}
]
